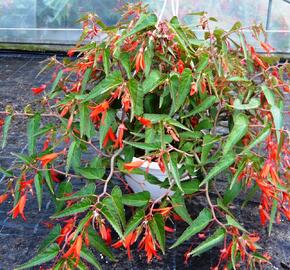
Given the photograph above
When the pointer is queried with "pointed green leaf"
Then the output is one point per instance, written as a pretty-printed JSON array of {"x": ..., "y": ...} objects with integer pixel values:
[
  {"x": 209, "y": 243},
  {"x": 56, "y": 81},
  {"x": 118, "y": 205},
  {"x": 253, "y": 104},
  {"x": 32, "y": 128},
  {"x": 179, "y": 207},
  {"x": 76, "y": 208},
  {"x": 134, "y": 221},
  {"x": 48, "y": 180},
  {"x": 222, "y": 165},
  {"x": 87, "y": 255},
  {"x": 157, "y": 227},
  {"x": 203, "y": 62},
  {"x": 272, "y": 216},
  {"x": 137, "y": 95},
  {"x": 70, "y": 155},
  {"x": 45, "y": 256},
  {"x": 51, "y": 237},
  {"x": 203, "y": 106},
  {"x": 126, "y": 63},
  {"x": 90, "y": 173},
  {"x": 106, "y": 61},
  {"x": 85, "y": 191},
  {"x": 85, "y": 80},
  {"x": 64, "y": 188},
  {"x": 234, "y": 223},
  {"x": 197, "y": 225},
  {"x": 98, "y": 243},
  {"x": 108, "y": 123},
  {"x": 240, "y": 129},
  {"x": 136, "y": 199},
  {"x": 5, "y": 130},
  {"x": 184, "y": 88},
  {"x": 208, "y": 143},
  {"x": 175, "y": 173},
  {"x": 113, "y": 80},
  {"x": 38, "y": 189},
  {"x": 153, "y": 81},
  {"x": 6, "y": 172},
  {"x": 144, "y": 146}
]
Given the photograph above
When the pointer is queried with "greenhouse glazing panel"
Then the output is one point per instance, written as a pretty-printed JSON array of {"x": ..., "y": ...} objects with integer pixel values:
[{"x": 54, "y": 21}]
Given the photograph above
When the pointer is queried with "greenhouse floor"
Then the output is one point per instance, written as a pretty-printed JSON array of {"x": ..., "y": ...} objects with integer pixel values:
[{"x": 19, "y": 240}]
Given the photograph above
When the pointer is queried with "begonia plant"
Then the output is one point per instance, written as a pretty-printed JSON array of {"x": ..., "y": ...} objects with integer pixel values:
[{"x": 201, "y": 104}]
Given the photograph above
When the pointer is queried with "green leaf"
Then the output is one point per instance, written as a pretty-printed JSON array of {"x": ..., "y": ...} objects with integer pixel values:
[
  {"x": 234, "y": 223},
  {"x": 38, "y": 189},
  {"x": 63, "y": 189},
  {"x": 70, "y": 155},
  {"x": 51, "y": 237},
  {"x": 240, "y": 129},
  {"x": 134, "y": 221},
  {"x": 45, "y": 256},
  {"x": 197, "y": 225},
  {"x": 144, "y": 146},
  {"x": 85, "y": 191},
  {"x": 153, "y": 81},
  {"x": 236, "y": 26},
  {"x": 175, "y": 173},
  {"x": 112, "y": 218},
  {"x": 108, "y": 123},
  {"x": 202, "y": 63},
  {"x": 5, "y": 130},
  {"x": 260, "y": 138},
  {"x": 85, "y": 120},
  {"x": 118, "y": 205},
  {"x": 253, "y": 104},
  {"x": 32, "y": 128},
  {"x": 6, "y": 172},
  {"x": 48, "y": 180},
  {"x": 179, "y": 207},
  {"x": 276, "y": 110},
  {"x": 145, "y": 21},
  {"x": 90, "y": 173},
  {"x": 76, "y": 208},
  {"x": 126, "y": 63},
  {"x": 203, "y": 106},
  {"x": 272, "y": 216},
  {"x": 157, "y": 227},
  {"x": 238, "y": 79},
  {"x": 87, "y": 255},
  {"x": 113, "y": 80},
  {"x": 136, "y": 94},
  {"x": 208, "y": 143},
  {"x": 56, "y": 81},
  {"x": 209, "y": 243},
  {"x": 222, "y": 165},
  {"x": 184, "y": 88},
  {"x": 85, "y": 80},
  {"x": 136, "y": 199},
  {"x": 83, "y": 222},
  {"x": 98, "y": 243},
  {"x": 106, "y": 61}
]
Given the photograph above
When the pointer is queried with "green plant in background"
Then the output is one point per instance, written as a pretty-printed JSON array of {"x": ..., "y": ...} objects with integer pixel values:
[{"x": 153, "y": 95}]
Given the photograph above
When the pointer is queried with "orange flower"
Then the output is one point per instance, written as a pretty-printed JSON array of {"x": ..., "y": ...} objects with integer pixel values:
[
  {"x": 127, "y": 243},
  {"x": 109, "y": 136},
  {"x": 75, "y": 250},
  {"x": 140, "y": 62},
  {"x": 119, "y": 140},
  {"x": 267, "y": 47},
  {"x": 161, "y": 164},
  {"x": 126, "y": 101},
  {"x": 106, "y": 234},
  {"x": 66, "y": 230},
  {"x": 48, "y": 158},
  {"x": 193, "y": 89},
  {"x": 19, "y": 208},
  {"x": 3, "y": 198},
  {"x": 133, "y": 165},
  {"x": 180, "y": 66},
  {"x": 38, "y": 90},
  {"x": 101, "y": 108},
  {"x": 144, "y": 121}
]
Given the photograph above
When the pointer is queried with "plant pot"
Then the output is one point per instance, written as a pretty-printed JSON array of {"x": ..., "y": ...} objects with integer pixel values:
[{"x": 138, "y": 183}]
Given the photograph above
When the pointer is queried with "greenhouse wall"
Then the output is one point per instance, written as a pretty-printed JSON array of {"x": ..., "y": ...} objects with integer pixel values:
[{"x": 55, "y": 21}]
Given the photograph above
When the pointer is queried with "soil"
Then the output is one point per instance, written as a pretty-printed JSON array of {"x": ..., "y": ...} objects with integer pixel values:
[{"x": 19, "y": 240}]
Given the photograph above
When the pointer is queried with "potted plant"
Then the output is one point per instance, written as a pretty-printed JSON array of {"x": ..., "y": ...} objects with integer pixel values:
[{"x": 169, "y": 111}]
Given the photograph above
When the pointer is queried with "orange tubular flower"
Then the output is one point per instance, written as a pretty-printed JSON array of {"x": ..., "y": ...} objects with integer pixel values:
[
  {"x": 126, "y": 101},
  {"x": 127, "y": 243},
  {"x": 119, "y": 140},
  {"x": 148, "y": 244},
  {"x": 66, "y": 230},
  {"x": 101, "y": 108},
  {"x": 193, "y": 89},
  {"x": 19, "y": 208},
  {"x": 140, "y": 62},
  {"x": 106, "y": 234},
  {"x": 144, "y": 121},
  {"x": 267, "y": 47},
  {"x": 180, "y": 66},
  {"x": 75, "y": 250},
  {"x": 133, "y": 165},
  {"x": 109, "y": 136},
  {"x": 38, "y": 90},
  {"x": 48, "y": 158},
  {"x": 3, "y": 198}
]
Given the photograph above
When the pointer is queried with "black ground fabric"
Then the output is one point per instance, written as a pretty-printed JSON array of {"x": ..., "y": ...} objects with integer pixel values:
[{"x": 19, "y": 239}]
